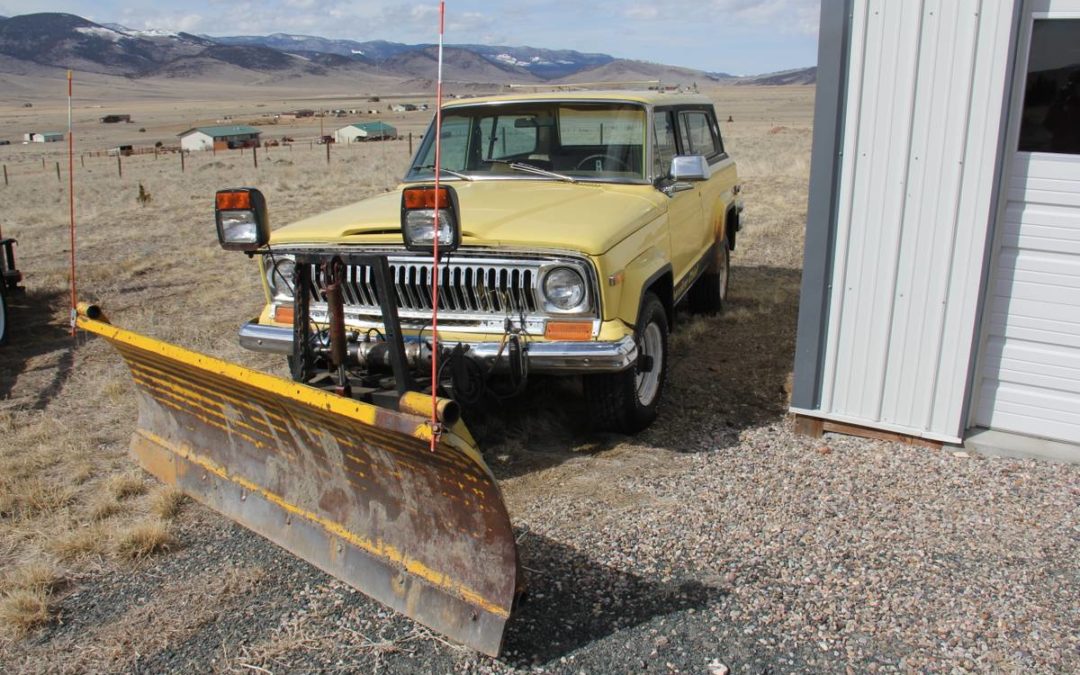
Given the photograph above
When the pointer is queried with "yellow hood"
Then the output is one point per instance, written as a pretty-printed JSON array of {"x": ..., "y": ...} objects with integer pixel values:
[{"x": 586, "y": 217}]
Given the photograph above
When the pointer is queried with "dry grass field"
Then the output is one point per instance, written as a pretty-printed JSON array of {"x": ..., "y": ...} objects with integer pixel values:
[{"x": 105, "y": 570}]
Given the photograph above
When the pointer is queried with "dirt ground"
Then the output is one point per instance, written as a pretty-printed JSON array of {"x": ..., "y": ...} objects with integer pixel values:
[{"x": 104, "y": 570}]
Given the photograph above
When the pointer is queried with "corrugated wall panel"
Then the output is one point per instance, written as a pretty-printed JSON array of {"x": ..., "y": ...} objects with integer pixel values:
[{"x": 927, "y": 84}]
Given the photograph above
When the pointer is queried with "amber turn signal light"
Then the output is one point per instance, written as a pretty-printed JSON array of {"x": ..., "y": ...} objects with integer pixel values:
[
  {"x": 576, "y": 331},
  {"x": 234, "y": 200},
  {"x": 425, "y": 198},
  {"x": 284, "y": 314}
]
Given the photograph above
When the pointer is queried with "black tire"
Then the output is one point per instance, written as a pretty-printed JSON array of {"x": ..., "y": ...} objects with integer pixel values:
[
  {"x": 615, "y": 399},
  {"x": 708, "y": 294}
]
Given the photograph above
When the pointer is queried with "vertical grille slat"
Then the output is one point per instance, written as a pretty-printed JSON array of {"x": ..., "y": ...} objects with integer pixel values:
[{"x": 472, "y": 286}]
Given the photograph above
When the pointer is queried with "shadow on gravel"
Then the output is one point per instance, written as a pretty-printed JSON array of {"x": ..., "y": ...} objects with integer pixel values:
[
  {"x": 726, "y": 373},
  {"x": 33, "y": 332},
  {"x": 574, "y": 601}
]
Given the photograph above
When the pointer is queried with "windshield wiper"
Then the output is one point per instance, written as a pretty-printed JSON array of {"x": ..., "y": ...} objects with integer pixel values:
[
  {"x": 529, "y": 168},
  {"x": 455, "y": 174}
]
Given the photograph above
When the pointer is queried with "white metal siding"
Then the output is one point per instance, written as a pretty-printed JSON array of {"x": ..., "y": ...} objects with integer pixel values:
[
  {"x": 927, "y": 80},
  {"x": 196, "y": 140},
  {"x": 1030, "y": 371}
]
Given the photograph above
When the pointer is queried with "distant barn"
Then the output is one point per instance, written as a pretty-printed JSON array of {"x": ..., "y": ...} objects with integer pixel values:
[
  {"x": 43, "y": 137},
  {"x": 365, "y": 131},
  {"x": 220, "y": 138}
]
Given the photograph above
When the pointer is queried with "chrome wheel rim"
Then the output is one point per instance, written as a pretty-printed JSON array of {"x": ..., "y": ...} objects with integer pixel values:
[{"x": 648, "y": 383}]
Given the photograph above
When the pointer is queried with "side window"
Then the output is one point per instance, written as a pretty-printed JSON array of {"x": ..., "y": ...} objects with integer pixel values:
[
  {"x": 664, "y": 139},
  {"x": 1051, "y": 114},
  {"x": 699, "y": 134}
]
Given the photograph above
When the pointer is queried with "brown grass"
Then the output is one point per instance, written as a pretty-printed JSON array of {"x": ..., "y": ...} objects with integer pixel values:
[
  {"x": 126, "y": 485},
  {"x": 104, "y": 506},
  {"x": 166, "y": 502},
  {"x": 29, "y": 498},
  {"x": 23, "y": 610},
  {"x": 37, "y": 575},
  {"x": 75, "y": 544},
  {"x": 144, "y": 539}
]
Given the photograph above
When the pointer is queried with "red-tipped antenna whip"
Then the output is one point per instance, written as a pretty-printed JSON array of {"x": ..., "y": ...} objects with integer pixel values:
[
  {"x": 435, "y": 257},
  {"x": 71, "y": 205}
]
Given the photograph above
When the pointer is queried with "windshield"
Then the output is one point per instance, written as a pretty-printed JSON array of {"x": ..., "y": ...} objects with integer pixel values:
[{"x": 580, "y": 141}]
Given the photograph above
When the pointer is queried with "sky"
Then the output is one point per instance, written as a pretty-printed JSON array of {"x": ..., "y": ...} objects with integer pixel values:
[{"x": 742, "y": 37}]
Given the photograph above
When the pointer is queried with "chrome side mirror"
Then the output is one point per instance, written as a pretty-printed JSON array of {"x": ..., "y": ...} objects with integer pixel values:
[{"x": 689, "y": 167}]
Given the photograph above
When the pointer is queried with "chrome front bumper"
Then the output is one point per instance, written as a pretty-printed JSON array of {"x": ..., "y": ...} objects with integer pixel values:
[{"x": 544, "y": 357}]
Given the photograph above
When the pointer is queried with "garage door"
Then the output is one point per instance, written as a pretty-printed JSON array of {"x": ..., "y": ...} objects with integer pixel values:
[{"x": 1029, "y": 370}]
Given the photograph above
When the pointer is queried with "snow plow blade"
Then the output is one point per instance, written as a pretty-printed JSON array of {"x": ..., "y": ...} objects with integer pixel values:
[{"x": 349, "y": 487}]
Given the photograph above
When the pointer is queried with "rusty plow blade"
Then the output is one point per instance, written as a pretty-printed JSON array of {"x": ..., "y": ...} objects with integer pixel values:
[{"x": 349, "y": 487}]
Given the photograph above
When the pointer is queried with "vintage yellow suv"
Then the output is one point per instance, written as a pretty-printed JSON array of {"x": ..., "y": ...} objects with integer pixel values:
[{"x": 585, "y": 218}]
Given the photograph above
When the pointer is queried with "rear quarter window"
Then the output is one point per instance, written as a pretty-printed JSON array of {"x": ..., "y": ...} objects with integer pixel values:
[{"x": 700, "y": 134}]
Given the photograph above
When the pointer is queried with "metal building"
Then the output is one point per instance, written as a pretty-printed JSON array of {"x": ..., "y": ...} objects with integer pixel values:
[
  {"x": 941, "y": 284},
  {"x": 220, "y": 138},
  {"x": 365, "y": 131}
]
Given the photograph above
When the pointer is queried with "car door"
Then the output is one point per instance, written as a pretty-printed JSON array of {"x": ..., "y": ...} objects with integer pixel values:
[
  {"x": 700, "y": 135},
  {"x": 684, "y": 207}
]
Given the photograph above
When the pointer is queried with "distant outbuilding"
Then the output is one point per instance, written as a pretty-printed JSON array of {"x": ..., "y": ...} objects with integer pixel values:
[
  {"x": 365, "y": 131},
  {"x": 43, "y": 137},
  {"x": 115, "y": 119},
  {"x": 220, "y": 138}
]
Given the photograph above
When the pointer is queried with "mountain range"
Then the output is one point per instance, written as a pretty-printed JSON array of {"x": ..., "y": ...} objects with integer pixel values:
[{"x": 69, "y": 41}]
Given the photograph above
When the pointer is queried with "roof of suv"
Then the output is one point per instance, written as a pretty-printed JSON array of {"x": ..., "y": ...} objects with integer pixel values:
[{"x": 647, "y": 97}]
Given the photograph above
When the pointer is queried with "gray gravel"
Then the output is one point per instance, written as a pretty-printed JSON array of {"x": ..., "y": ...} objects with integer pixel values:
[{"x": 716, "y": 540}]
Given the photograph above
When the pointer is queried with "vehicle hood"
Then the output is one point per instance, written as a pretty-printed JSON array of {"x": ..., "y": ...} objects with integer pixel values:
[{"x": 586, "y": 217}]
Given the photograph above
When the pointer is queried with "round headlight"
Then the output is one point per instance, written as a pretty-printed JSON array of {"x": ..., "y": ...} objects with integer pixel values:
[
  {"x": 564, "y": 288},
  {"x": 279, "y": 275}
]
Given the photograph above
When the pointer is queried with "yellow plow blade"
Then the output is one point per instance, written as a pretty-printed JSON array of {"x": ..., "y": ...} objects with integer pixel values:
[{"x": 352, "y": 488}]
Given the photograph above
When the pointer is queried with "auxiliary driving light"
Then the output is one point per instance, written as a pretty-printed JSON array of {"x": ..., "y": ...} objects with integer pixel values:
[
  {"x": 418, "y": 207},
  {"x": 242, "y": 224}
]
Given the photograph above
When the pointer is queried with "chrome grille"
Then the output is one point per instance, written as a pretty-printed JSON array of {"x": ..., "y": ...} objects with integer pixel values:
[{"x": 468, "y": 286}]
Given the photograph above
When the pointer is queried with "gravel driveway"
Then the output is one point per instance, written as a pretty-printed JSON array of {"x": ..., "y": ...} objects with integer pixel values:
[{"x": 717, "y": 539}]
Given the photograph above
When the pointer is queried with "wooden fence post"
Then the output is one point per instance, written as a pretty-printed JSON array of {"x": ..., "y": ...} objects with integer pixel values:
[
  {"x": 119, "y": 166},
  {"x": 410, "y": 144},
  {"x": 181, "y": 161},
  {"x": 58, "y": 171},
  {"x": 328, "y": 153},
  {"x": 255, "y": 156},
  {"x": 5, "y": 175}
]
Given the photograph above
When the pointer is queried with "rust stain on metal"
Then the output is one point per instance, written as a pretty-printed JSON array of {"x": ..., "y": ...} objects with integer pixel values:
[{"x": 350, "y": 488}]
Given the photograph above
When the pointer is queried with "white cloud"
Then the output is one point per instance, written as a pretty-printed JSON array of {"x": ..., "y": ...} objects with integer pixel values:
[
  {"x": 641, "y": 12},
  {"x": 795, "y": 16}
]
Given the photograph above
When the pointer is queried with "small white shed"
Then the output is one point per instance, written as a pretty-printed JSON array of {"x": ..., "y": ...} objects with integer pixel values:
[
  {"x": 365, "y": 131},
  {"x": 941, "y": 283},
  {"x": 219, "y": 137},
  {"x": 43, "y": 137}
]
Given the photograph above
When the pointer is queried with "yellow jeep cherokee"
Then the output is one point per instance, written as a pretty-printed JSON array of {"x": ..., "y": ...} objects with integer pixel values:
[{"x": 585, "y": 218}]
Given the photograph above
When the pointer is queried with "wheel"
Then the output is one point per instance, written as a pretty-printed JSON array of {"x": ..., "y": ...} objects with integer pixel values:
[
  {"x": 708, "y": 294},
  {"x": 626, "y": 402},
  {"x": 604, "y": 159},
  {"x": 3, "y": 316}
]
